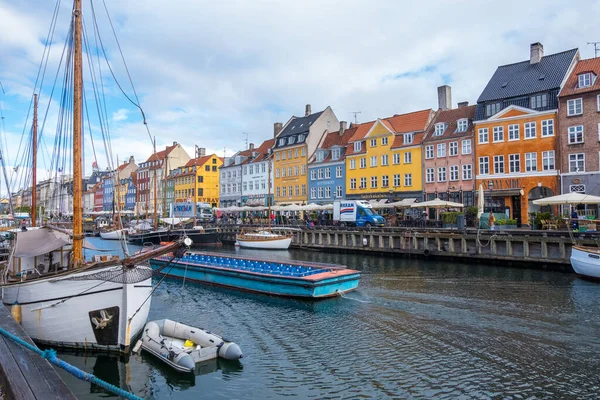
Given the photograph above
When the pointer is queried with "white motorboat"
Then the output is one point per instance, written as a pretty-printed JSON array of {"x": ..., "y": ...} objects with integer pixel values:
[
  {"x": 264, "y": 240},
  {"x": 181, "y": 346},
  {"x": 585, "y": 260},
  {"x": 115, "y": 234}
]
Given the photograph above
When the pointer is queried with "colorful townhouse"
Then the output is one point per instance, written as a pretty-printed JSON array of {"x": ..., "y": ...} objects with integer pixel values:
[
  {"x": 515, "y": 131},
  {"x": 327, "y": 168},
  {"x": 231, "y": 177},
  {"x": 198, "y": 180},
  {"x": 170, "y": 191},
  {"x": 258, "y": 176},
  {"x": 130, "y": 192},
  {"x": 579, "y": 129},
  {"x": 112, "y": 192},
  {"x": 448, "y": 152},
  {"x": 98, "y": 197},
  {"x": 384, "y": 160},
  {"x": 295, "y": 143}
]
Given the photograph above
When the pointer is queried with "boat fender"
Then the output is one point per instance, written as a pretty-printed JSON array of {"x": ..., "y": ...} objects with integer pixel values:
[
  {"x": 426, "y": 252},
  {"x": 15, "y": 312}
]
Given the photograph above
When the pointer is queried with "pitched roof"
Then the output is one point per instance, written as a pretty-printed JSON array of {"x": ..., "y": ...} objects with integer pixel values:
[
  {"x": 399, "y": 140},
  {"x": 583, "y": 66},
  {"x": 198, "y": 161},
  {"x": 524, "y": 78},
  {"x": 263, "y": 150},
  {"x": 400, "y": 123},
  {"x": 450, "y": 117},
  {"x": 160, "y": 155},
  {"x": 358, "y": 132},
  {"x": 299, "y": 125},
  {"x": 335, "y": 139}
]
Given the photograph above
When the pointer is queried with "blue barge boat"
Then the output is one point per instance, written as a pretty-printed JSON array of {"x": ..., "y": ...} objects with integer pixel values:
[{"x": 289, "y": 279}]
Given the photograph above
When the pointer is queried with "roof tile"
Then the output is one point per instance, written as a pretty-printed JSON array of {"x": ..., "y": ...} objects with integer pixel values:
[{"x": 571, "y": 85}]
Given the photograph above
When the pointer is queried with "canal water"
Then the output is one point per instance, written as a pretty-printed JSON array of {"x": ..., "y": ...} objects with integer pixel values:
[{"x": 414, "y": 329}]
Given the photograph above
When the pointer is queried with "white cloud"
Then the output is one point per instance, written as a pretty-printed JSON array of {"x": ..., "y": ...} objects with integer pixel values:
[{"x": 120, "y": 115}]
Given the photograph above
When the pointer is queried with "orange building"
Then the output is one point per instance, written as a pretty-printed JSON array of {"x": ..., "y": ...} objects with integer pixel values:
[{"x": 516, "y": 133}]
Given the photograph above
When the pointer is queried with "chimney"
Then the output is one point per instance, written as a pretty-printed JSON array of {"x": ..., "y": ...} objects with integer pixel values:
[
  {"x": 343, "y": 125},
  {"x": 174, "y": 143},
  {"x": 251, "y": 146},
  {"x": 308, "y": 112},
  {"x": 463, "y": 104},
  {"x": 200, "y": 152},
  {"x": 444, "y": 97},
  {"x": 536, "y": 53},
  {"x": 131, "y": 160},
  {"x": 277, "y": 127}
]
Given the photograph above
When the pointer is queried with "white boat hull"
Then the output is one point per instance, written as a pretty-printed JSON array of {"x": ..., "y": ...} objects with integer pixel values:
[
  {"x": 113, "y": 235},
  {"x": 63, "y": 310},
  {"x": 586, "y": 262},
  {"x": 271, "y": 244}
]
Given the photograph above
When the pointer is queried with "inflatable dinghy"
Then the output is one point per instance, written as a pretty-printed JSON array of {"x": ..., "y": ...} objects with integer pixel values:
[{"x": 182, "y": 346}]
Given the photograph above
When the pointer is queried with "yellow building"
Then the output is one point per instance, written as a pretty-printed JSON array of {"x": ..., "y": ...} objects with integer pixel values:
[
  {"x": 384, "y": 160},
  {"x": 294, "y": 144},
  {"x": 198, "y": 180}
]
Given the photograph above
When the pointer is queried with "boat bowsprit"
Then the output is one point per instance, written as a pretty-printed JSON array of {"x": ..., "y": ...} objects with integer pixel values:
[{"x": 182, "y": 346}]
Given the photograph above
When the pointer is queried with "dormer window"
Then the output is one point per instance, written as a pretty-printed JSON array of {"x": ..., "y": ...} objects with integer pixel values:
[
  {"x": 585, "y": 80},
  {"x": 291, "y": 140},
  {"x": 300, "y": 138},
  {"x": 357, "y": 146},
  {"x": 320, "y": 155},
  {"x": 335, "y": 153},
  {"x": 539, "y": 101},
  {"x": 491, "y": 109},
  {"x": 282, "y": 142},
  {"x": 461, "y": 125},
  {"x": 439, "y": 129},
  {"x": 408, "y": 138}
]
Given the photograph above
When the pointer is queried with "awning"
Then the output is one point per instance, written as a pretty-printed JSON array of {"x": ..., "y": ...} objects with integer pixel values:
[
  {"x": 35, "y": 242},
  {"x": 504, "y": 192}
]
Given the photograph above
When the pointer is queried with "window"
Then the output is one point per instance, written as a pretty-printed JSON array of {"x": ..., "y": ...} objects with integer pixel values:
[
  {"x": 577, "y": 188},
  {"x": 574, "y": 107},
  {"x": 514, "y": 163},
  {"x": 466, "y": 146},
  {"x": 352, "y": 183},
  {"x": 384, "y": 159},
  {"x": 484, "y": 136},
  {"x": 576, "y": 134},
  {"x": 283, "y": 155},
  {"x": 498, "y": 164},
  {"x": 353, "y": 163},
  {"x": 385, "y": 181},
  {"x": 384, "y": 141},
  {"x": 263, "y": 168},
  {"x": 300, "y": 138},
  {"x": 538, "y": 101},
  {"x": 547, "y": 127},
  {"x": 335, "y": 154},
  {"x": 290, "y": 154},
  {"x": 529, "y": 130},
  {"x": 284, "y": 191},
  {"x": 320, "y": 192},
  {"x": 320, "y": 156},
  {"x": 462, "y": 124},
  {"x": 277, "y": 173},
  {"x": 577, "y": 162},
  {"x": 530, "y": 162},
  {"x": 327, "y": 173},
  {"x": 277, "y": 191},
  {"x": 492, "y": 109},
  {"x": 439, "y": 129},
  {"x": 290, "y": 190},
  {"x": 453, "y": 148},
  {"x": 290, "y": 171},
  {"x": 396, "y": 180},
  {"x": 467, "y": 172},
  {"x": 282, "y": 142},
  {"x": 338, "y": 191},
  {"x": 338, "y": 172},
  {"x": 548, "y": 160},
  {"x": 283, "y": 172},
  {"x": 484, "y": 165},
  {"x": 320, "y": 173},
  {"x": 277, "y": 156},
  {"x": 408, "y": 138},
  {"x": 313, "y": 193},
  {"x": 327, "y": 192},
  {"x": 513, "y": 132},
  {"x": 296, "y": 153},
  {"x": 441, "y": 150},
  {"x": 291, "y": 140},
  {"x": 373, "y": 182},
  {"x": 454, "y": 172},
  {"x": 373, "y": 161},
  {"x": 303, "y": 169},
  {"x": 363, "y": 162},
  {"x": 357, "y": 146},
  {"x": 373, "y": 142},
  {"x": 498, "y": 134},
  {"x": 428, "y": 153},
  {"x": 303, "y": 152},
  {"x": 441, "y": 174},
  {"x": 585, "y": 80},
  {"x": 407, "y": 179},
  {"x": 408, "y": 157},
  {"x": 207, "y": 168},
  {"x": 250, "y": 185},
  {"x": 363, "y": 183},
  {"x": 303, "y": 189},
  {"x": 429, "y": 175}
]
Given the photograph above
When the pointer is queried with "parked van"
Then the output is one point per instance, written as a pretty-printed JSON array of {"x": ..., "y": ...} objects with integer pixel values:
[{"x": 356, "y": 213}]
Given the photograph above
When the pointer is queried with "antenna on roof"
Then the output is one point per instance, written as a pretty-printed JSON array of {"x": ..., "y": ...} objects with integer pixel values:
[
  {"x": 246, "y": 134},
  {"x": 224, "y": 151},
  {"x": 596, "y": 48},
  {"x": 355, "y": 114}
]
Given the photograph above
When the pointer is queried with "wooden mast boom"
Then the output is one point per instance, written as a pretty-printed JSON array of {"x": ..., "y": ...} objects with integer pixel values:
[{"x": 77, "y": 136}]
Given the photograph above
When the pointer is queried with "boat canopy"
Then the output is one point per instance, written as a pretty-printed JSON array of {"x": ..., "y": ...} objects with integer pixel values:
[{"x": 36, "y": 242}]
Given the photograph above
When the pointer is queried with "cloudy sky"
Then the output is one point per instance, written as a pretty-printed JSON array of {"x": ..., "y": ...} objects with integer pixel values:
[{"x": 208, "y": 71}]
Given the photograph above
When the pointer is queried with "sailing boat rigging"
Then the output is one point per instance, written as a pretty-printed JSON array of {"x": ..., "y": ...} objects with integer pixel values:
[{"x": 58, "y": 296}]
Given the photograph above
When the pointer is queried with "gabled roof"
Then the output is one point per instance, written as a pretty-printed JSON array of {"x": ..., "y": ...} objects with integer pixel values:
[
  {"x": 357, "y": 131},
  {"x": 524, "y": 78},
  {"x": 263, "y": 150},
  {"x": 161, "y": 155},
  {"x": 200, "y": 161},
  {"x": 334, "y": 139},
  {"x": 400, "y": 123},
  {"x": 451, "y": 117},
  {"x": 299, "y": 125},
  {"x": 399, "y": 140},
  {"x": 571, "y": 85}
]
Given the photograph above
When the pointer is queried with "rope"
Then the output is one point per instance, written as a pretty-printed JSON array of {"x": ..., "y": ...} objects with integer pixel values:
[{"x": 50, "y": 355}]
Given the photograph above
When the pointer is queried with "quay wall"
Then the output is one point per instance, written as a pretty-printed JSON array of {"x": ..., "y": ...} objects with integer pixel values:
[{"x": 541, "y": 249}]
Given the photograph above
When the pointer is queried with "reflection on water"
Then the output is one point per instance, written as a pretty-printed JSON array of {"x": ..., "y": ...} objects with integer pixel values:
[{"x": 415, "y": 328}]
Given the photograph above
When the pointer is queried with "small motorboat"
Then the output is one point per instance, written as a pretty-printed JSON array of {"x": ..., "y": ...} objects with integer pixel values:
[
  {"x": 264, "y": 240},
  {"x": 182, "y": 346},
  {"x": 114, "y": 234},
  {"x": 586, "y": 261}
]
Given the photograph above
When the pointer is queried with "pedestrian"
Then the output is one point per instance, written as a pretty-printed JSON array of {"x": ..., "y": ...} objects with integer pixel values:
[
  {"x": 575, "y": 219},
  {"x": 491, "y": 221}
]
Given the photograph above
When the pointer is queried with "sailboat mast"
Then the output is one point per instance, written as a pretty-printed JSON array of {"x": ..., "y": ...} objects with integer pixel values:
[
  {"x": 269, "y": 192},
  {"x": 155, "y": 194},
  {"x": 77, "y": 135},
  {"x": 34, "y": 164}
]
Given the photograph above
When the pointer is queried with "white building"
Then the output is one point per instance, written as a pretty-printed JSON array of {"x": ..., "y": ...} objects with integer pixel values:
[{"x": 257, "y": 175}]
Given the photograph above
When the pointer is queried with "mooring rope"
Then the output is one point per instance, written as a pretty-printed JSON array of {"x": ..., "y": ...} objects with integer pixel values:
[{"x": 50, "y": 355}]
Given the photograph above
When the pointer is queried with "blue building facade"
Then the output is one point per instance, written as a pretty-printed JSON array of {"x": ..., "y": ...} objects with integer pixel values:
[
  {"x": 326, "y": 177},
  {"x": 130, "y": 195},
  {"x": 108, "y": 197}
]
